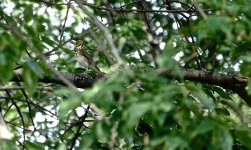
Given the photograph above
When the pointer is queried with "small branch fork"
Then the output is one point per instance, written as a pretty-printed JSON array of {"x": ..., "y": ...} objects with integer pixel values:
[
  {"x": 79, "y": 127},
  {"x": 19, "y": 113}
]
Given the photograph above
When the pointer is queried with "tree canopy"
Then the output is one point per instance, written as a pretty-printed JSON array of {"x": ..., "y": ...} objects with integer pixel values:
[{"x": 175, "y": 74}]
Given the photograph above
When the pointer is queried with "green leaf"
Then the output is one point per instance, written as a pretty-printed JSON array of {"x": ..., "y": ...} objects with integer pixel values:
[
  {"x": 9, "y": 55},
  {"x": 222, "y": 111},
  {"x": 61, "y": 147},
  {"x": 222, "y": 138},
  {"x": 222, "y": 93},
  {"x": 28, "y": 13},
  {"x": 249, "y": 86},
  {"x": 33, "y": 145},
  {"x": 101, "y": 131},
  {"x": 6, "y": 67},
  {"x": 30, "y": 79},
  {"x": 210, "y": 93},
  {"x": 136, "y": 111},
  {"x": 35, "y": 68},
  {"x": 71, "y": 100},
  {"x": 205, "y": 125},
  {"x": 216, "y": 27},
  {"x": 244, "y": 135},
  {"x": 7, "y": 144},
  {"x": 48, "y": 41},
  {"x": 68, "y": 105},
  {"x": 208, "y": 103},
  {"x": 173, "y": 143}
]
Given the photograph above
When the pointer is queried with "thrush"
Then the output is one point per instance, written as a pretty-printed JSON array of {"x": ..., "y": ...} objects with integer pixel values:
[{"x": 84, "y": 58}]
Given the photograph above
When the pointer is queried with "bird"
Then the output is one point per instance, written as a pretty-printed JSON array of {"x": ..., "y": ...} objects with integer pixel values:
[{"x": 84, "y": 58}]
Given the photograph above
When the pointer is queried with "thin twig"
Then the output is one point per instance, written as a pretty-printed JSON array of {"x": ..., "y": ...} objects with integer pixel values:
[
  {"x": 66, "y": 17},
  {"x": 203, "y": 14},
  {"x": 151, "y": 35},
  {"x": 28, "y": 104},
  {"x": 3, "y": 97},
  {"x": 18, "y": 110},
  {"x": 106, "y": 32},
  {"x": 79, "y": 127},
  {"x": 138, "y": 10},
  {"x": 101, "y": 48},
  {"x": 9, "y": 107},
  {"x": 3, "y": 88},
  {"x": 48, "y": 3},
  {"x": 62, "y": 44}
]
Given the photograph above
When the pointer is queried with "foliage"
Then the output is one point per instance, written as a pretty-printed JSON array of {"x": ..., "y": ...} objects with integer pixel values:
[{"x": 134, "y": 106}]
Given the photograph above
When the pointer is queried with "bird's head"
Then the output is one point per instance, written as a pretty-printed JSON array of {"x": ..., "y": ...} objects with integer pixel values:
[{"x": 78, "y": 45}]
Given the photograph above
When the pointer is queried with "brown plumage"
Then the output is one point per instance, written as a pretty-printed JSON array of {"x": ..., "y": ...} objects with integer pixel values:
[{"x": 84, "y": 58}]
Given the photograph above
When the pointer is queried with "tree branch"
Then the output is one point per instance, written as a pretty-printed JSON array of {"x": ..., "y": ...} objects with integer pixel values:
[
  {"x": 14, "y": 30},
  {"x": 234, "y": 83},
  {"x": 139, "y": 10},
  {"x": 78, "y": 79}
]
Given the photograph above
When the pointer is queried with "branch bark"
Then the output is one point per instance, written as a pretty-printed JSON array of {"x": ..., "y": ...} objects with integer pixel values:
[
  {"x": 234, "y": 83},
  {"x": 237, "y": 84}
]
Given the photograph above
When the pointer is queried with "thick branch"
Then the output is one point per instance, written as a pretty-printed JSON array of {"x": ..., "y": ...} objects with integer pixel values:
[
  {"x": 225, "y": 81},
  {"x": 78, "y": 79},
  {"x": 234, "y": 83}
]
